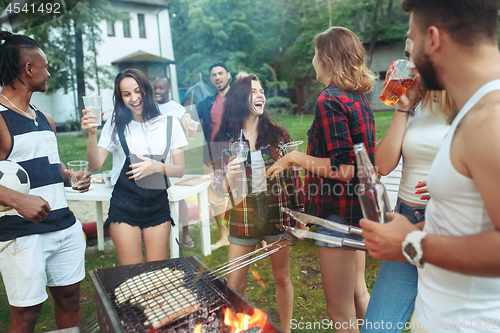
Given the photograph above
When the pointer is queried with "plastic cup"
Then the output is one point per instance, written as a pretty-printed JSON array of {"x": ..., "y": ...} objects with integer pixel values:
[
  {"x": 192, "y": 130},
  {"x": 240, "y": 150},
  {"x": 94, "y": 105},
  {"x": 295, "y": 146},
  {"x": 77, "y": 170},
  {"x": 398, "y": 81}
]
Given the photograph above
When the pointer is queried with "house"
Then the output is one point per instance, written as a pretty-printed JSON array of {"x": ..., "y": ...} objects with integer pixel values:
[{"x": 142, "y": 41}]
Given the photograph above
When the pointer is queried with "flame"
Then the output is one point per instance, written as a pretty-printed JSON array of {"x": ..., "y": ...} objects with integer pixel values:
[
  {"x": 258, "y": 278},
  {"x": 242, "y": 322},
  {"x": 197, "y": 329}
]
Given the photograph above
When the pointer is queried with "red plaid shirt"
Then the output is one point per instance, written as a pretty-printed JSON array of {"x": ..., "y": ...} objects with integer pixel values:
[
  {"x": 283, "y": 191},
  {"x": 342, "y": 119}
]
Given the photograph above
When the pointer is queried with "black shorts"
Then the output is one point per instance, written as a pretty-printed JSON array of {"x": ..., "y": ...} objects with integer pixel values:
[{"x": 138, "y": 211}]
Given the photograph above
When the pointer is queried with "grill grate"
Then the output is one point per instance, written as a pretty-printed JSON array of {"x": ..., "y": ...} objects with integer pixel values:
[{"x": 167, "y": 294}]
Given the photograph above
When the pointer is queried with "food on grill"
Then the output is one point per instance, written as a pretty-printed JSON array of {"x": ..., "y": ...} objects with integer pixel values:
[
  {"x": 160, "y": 293},
  {"x": 165, "y": 308},
  {"x": 139, "y": 287}
]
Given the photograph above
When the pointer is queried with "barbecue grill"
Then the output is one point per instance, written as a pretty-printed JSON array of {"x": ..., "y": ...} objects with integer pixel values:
[{"x": 211, "y": 294}]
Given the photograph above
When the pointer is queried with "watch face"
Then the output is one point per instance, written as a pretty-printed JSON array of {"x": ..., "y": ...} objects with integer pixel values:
[{"x": 410, "y": 251}]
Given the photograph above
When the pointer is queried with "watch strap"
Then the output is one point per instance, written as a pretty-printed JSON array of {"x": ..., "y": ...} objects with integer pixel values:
[{"x": 412, "y": 248}]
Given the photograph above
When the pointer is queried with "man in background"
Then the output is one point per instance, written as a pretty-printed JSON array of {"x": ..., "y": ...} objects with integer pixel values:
[{"x": 209, "y": 112}]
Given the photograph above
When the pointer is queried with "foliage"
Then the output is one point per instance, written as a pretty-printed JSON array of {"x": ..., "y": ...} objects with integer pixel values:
[
  {"x": 277, "y": 104},
  {"x": 280, "y": 33},
  {"x": 243, "y": 34},
  {"x": 61, "y": 39}
]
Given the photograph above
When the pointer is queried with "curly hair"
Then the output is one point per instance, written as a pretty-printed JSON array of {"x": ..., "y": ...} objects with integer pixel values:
[
  {"x": 12, "y": 55},
  {"x": 342, "y": 56}
]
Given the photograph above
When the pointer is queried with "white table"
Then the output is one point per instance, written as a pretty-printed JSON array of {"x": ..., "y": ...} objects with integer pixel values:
[{"x": 102, "y": 192}]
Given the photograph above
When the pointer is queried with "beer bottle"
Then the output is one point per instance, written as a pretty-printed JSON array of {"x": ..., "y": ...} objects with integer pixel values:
[{"x": 371, "y": 192}]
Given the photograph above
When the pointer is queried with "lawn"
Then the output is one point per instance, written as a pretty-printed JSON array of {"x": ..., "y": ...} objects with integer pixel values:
[{"x": 309, "y": 304}]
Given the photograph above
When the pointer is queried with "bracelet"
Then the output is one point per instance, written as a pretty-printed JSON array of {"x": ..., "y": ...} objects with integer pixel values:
[{"x": 411, "y": 111}]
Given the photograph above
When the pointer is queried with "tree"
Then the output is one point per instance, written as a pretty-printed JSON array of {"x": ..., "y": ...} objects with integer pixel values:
[
  {"x": 63, "y": 41},
  {"x": 247, "y": 34},
  {"x": 244, "y": 34}
]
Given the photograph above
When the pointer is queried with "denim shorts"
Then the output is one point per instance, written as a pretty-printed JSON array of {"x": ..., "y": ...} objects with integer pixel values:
[
  {"x": 138, "y": 211},
  {"x": 414, "y": 214},
  {"x": 329, "y": 232}
]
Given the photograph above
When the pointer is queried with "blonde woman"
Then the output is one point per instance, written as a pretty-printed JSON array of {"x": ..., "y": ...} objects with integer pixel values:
[{"x": 343, "y": 118}]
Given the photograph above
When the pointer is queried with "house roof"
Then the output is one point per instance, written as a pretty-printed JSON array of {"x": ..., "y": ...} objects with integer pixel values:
[
  {"x": 142, "y": 57},
  {"x": 154, "y": 3}
]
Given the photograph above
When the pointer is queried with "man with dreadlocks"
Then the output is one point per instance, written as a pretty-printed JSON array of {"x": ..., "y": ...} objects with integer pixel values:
[{"x": 42, "y": 244}]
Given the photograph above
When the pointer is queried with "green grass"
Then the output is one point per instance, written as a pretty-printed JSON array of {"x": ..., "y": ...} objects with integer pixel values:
[{"x": 309, "y": 301}]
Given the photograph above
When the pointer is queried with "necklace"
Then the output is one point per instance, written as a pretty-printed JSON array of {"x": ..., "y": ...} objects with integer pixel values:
[{"x": 26, "y": 113}]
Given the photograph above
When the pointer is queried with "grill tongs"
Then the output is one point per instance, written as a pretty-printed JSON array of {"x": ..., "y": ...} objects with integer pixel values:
[{"x": 309, "y": 219}]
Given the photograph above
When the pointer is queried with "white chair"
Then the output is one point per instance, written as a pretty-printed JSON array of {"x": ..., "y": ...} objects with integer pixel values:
[{"x": 391, "y": 183}]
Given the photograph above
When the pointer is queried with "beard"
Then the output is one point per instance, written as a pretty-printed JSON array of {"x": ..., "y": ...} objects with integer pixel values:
[
  {"x": 428, "y": 74},
  {"x": 224, "y": 86}
]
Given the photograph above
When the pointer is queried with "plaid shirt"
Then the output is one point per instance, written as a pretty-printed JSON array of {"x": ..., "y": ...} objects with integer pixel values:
[
  {"x": 342, "y": 119},
  {"x": 283, "y": 191}
]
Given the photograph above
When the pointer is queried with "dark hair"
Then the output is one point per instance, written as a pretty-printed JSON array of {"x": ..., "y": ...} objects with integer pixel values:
[
  {"x": 237, "y": 108},
  {"x": 166, "y": 78},
  {"x": 342, "y": 56},
  {"x": 217, "y": 64},
  {"x": 122, "y": 115},
  {"x": 466, "y": 21},
  {"x": 12, "y": 53}
]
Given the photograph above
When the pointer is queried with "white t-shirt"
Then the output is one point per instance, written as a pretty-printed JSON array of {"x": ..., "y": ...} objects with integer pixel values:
[
  {"x": 259, "y": 183},
  {"x": 173, "y": 109},
  {"x": 140, "y": 136},
  {"x": 424, "y": 135}
]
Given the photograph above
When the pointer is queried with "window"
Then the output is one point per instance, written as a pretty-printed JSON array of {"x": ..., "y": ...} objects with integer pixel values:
[
  {"x": 142, "y": 26},
  {"x": 111, "y": 28},
  {"x": 126, "y": 28}
]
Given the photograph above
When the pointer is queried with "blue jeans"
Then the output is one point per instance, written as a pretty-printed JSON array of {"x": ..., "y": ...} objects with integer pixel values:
[{"x": 393, "y": 296}]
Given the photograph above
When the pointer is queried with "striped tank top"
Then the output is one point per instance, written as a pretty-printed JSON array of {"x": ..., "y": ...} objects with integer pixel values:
[{"x": 35, "y": 149}]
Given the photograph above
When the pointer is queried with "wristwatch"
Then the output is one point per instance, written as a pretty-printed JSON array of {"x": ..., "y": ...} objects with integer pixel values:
[{"x": 412, "y": 248}]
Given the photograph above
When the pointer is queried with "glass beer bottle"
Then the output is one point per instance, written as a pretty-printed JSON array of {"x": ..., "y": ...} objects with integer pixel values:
[{"x": 371, "y": 192}]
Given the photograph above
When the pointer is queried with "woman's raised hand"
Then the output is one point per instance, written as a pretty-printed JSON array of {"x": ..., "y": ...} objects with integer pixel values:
[
  {"x": 279, "y": 166},
  {"x": 145, "y": 168},
  {"x": 88, "y": 120}
]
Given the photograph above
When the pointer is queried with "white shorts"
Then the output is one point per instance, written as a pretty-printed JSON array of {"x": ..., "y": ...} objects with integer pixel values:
[{"x": 30, "y": 263}]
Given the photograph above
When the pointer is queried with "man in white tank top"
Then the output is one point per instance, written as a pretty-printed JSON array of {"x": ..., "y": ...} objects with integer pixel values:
[{"x": 455, "y": 48}]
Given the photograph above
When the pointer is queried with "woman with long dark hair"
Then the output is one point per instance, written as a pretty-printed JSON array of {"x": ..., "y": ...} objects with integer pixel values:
[
  {"x": 255, "y": 202},
  {"x": 139, "y": 209},
  {"x": 343, "y": 118}
]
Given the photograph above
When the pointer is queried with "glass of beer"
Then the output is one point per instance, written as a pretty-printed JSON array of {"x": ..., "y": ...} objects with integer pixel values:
[
  {"x": 398, "y": 81},
  {"x": 192, "y": 130},
  {"x": 94, "y": 105}
]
